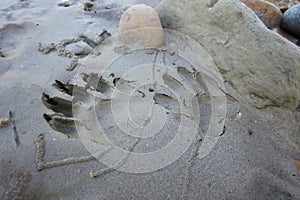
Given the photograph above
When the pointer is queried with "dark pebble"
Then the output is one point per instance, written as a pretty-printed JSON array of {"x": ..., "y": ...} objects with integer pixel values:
[
  {"x": 291, "y": 20},
  {"x": 288, "y": 36}
]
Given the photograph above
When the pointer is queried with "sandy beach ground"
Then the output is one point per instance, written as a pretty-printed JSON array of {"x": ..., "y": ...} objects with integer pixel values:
[{"x": 252, "y": 159}]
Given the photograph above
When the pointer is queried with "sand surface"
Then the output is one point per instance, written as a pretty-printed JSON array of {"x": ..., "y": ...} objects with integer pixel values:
[{"x": 251, "y": 160}]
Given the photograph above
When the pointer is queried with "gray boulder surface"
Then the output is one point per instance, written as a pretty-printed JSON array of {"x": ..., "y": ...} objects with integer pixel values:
[{"x": 260, "y": 65}]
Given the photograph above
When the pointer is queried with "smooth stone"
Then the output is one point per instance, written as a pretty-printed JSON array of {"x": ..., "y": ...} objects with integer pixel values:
[
  {"x": 291, "y": 20},
  {"x": 259, "y": 65},
  {"x": 4, "y": 122},
  {"x": 141, "y": 25},
  {"x": 65, "y": 3},
  {"x": 283, "y": 5},
  {"x": 286, "y": 35},
  {"x": 267, "y": 12}
]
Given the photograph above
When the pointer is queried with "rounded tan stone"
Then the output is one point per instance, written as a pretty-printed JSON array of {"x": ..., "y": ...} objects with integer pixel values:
[{"x": 141, "y": 25}]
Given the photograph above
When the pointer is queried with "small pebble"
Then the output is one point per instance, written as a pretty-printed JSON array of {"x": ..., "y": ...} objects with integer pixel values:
[
  {"x": 291, "y": 20},
  {"x": 88, "y": 6},
  {"x": 297, "y": 163},
  {"x": 65, "y": 3},
  {"x": 267, "y": 12},
  {"x": 4, "y": 122},
  {"x": 283, "y": 5}
]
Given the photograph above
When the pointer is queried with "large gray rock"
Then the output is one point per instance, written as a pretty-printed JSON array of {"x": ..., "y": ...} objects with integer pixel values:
[{"x": 260, "y": 65}]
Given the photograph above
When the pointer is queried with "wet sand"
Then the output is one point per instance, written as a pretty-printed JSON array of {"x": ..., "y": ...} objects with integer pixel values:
[{"x": 253, "y": 158}]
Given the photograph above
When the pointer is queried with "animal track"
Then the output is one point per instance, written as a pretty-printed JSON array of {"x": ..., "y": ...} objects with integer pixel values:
[
  {"x": 136, "y": 100},
  {"x": 96, "y": 89}
]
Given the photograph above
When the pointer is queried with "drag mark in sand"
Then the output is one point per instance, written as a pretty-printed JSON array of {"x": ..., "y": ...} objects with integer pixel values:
[
  {"x": 41, "y": 164},
  {"x": 191, "y": 162},
  {"x": 40, "y": 153}
]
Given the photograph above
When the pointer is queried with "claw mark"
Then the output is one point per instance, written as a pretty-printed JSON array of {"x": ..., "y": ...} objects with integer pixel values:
[
  {"x": 193, "y": 78},
  {"x": 62, "y": 120},
  {"x": 64, "y": 125},
  {"x": 166, "y": 101},
  {"x": 66, "y": 88},
  {"x": 97, "y": 83},
  {"x": 58, "y": 105},
  {"x": 103, "y": 87},
  {"x": 125, "y": 85},
  {"x": 171, "y": 82}
]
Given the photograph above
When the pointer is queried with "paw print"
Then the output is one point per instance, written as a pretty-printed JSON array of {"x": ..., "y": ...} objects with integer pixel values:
[{"x": 130, "y": 106}]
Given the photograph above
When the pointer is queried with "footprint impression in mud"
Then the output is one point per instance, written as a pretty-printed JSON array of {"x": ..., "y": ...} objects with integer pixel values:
[{"x": 139, "y": 109}]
